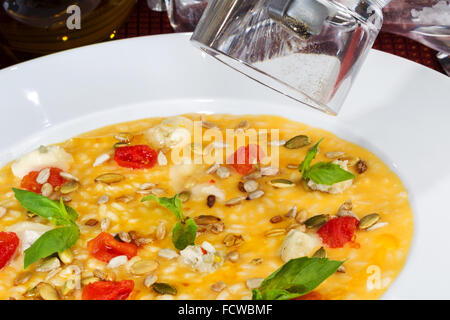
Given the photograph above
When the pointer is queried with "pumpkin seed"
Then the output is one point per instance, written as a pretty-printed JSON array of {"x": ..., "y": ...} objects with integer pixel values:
[
  {"x": 235, "y": 201},
  {"x": 254, "y": 283},
  {"x": 274, "y": 233},
  {"x": 232, "y": 256},
  {"x": 164, "y": 288},
  {"x": 298, "y": 142},
  {"x": 210, "y": 200},
  {"x": 69, "y": 187},
  {"x": 47, "y": 291},
  {"x": 321, "y": 253},
  {"x": 255, "y": 195},
  {"x": 49, "y": 265},
  {"x": 276, "y": 219},
  {"x": 150, "y": 280},
  {"x": 89, "y": 280},
  {"x": 368, "y": 221},
  {"x": 124, "y": 137},
  {"x": 269, "y": 171},
  {"x": 22, "y": 278},
  {"x": 109, "y": 178},
  {"x": 250, "y": 186},
  {"x": 120, "y": 145},
  {"x": 66, "y": 256},
  {"x": 218, "y": 286},
  {"x": 316, "y": 221},
  {"x": 144, "y": 267},
  {"x": 184, "y": 196},
  {"x": 232, "y": 239},
  {"x": 281, "y": 183}
]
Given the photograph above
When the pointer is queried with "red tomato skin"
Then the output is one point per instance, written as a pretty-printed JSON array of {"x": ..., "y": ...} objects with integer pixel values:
[
  {"x": 8, "y": 246},
  {"x": 338, "y": 231},
  {"x": 136, "y": 157},
  {"x": 29, "y": 181},
  {"x": 243, "y": 159},
  {"x": 104, "y": 247},
  {"x": 108, "y": 290}
]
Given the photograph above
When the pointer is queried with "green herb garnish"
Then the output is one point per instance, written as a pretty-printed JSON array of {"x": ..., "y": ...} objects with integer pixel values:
[
  {"x": 326, "y": 173},
  {"x": 185, "y": 230},
  {"x": 296, "y": 278},
  {"x": 53, "y": 241}
]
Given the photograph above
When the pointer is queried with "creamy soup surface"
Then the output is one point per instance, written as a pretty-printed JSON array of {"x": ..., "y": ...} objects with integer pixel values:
[{"x": 243, "y": 238}]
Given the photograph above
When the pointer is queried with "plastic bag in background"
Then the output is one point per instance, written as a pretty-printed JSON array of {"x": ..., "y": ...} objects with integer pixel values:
[
  {"x": 185, "y": 14},
  {"x": 426, "y": 21}
]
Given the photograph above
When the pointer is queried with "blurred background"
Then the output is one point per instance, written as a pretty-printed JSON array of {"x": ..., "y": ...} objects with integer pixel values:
[{"x": 32, "y": 28}]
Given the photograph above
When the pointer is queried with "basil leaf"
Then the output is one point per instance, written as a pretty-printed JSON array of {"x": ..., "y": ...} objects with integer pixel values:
[
  {"x": 45, "y": 208},
  {"x": 296, "y": 278},
  {"x": 183, "y": 234},
  {"x": 328, "y": 173},
  {"x": 306, "y": 163},
  {"x": 53, "y": 241},
  {"x": 173, "y": 204}
]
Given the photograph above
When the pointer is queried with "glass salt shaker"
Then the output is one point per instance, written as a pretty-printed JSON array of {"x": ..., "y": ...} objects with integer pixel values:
[{"x": 309, "y": 50}]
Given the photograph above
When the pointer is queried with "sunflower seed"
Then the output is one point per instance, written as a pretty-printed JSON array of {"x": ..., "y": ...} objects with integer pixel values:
[
  {"x": 252, "y": 176},
  {"x": 161, "y": 231},
  {"x": 292, "y": 166},
  {"x": 255, "y": 195},
  {"x": 22, "y": 278},
  {"x": 281, "y": 183},
  {"x": 292, "y": 212},
  {"x": 68, "y": 176},
  {"x": 150, "y": 280},
  {"x": 101, "y": 159},
  {"x": 162, "y": 160},
  {"x": 377, "y": 225},
  {"x": 301, "y": 216},
  {"x": 297, "y": 226},
  {"x": 351, "y": 161},
  {"x": 235, "y": 201},
  {"x": 105, "y": 224},
  {"x": 274, "y": 233},
  {"x": 143, "y": 267},
  {"x": 43, "y": 176},
  {"x": 124, "y": 137},
  {"x": 368, "y": 221},
  {"x": 48, "y": 265},
  {"x": 109, "y": 178},
  {"x": 211, "y": 200},
  {"x": 68, "y": 287},
  {"x": 218, "y": 286},
  {"x": 125, "y": 198},
  {"x": 341, "y": 269},
  {"x": 164, "y": 288},
  {"x": 232, "y": 239},
  {"x": 223, "y": 172},
  {"x": 232, "y": 256},
  {"x": 47, "y": 189},
  {"x": 147, "y": 186},
  {"x": 213, "y": 168},
  {"x": 103, "y": 199},
  {"x": 298, "y": 142},
  {"x": 184, "y": 196},
  {"x": 250, "y": 186},
  {"x": 346, "y": 210},
  {"x": 276, "y": 219},
  {"x": 361, "y": 166},
  {"x": 316, "y": 221},
  {"x": 269, "y": 171},
  {"x": 124, "y": 237},
  {"x": 257, "y": 261},
  {"x": 334, "y": 155}
]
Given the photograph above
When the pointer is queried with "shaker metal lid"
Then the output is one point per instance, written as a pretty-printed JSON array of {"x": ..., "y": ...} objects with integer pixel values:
[{"x": 302, "y": 16}]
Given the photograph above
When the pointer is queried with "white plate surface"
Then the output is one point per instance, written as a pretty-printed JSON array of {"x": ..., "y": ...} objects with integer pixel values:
[{"x": 398, "y": 109}]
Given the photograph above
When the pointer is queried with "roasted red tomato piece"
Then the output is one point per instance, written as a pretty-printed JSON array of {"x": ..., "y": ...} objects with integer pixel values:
[
  {"x": 338, "y": 231},
  {"x": 104, "y": 247},
  {"x": 8, "y": 245},
  {"x": 244, "y": 158},
  {"x": 136, "y": 157},
  {"x": 29, "y": 181},
  {"x": 108, "y": 290}
]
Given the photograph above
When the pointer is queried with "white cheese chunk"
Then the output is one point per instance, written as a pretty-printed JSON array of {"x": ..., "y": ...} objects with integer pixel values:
[
  {"x": 44, "y": 157},
  {"x": 202, "y": 191},
  {"x": 28, "y": 232},
  {"x": 194, "y": 257},
  {"x": 336, "y": 188},
  {"x": 174, "y": 132},
  {"x": 297, "y": 244}
]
